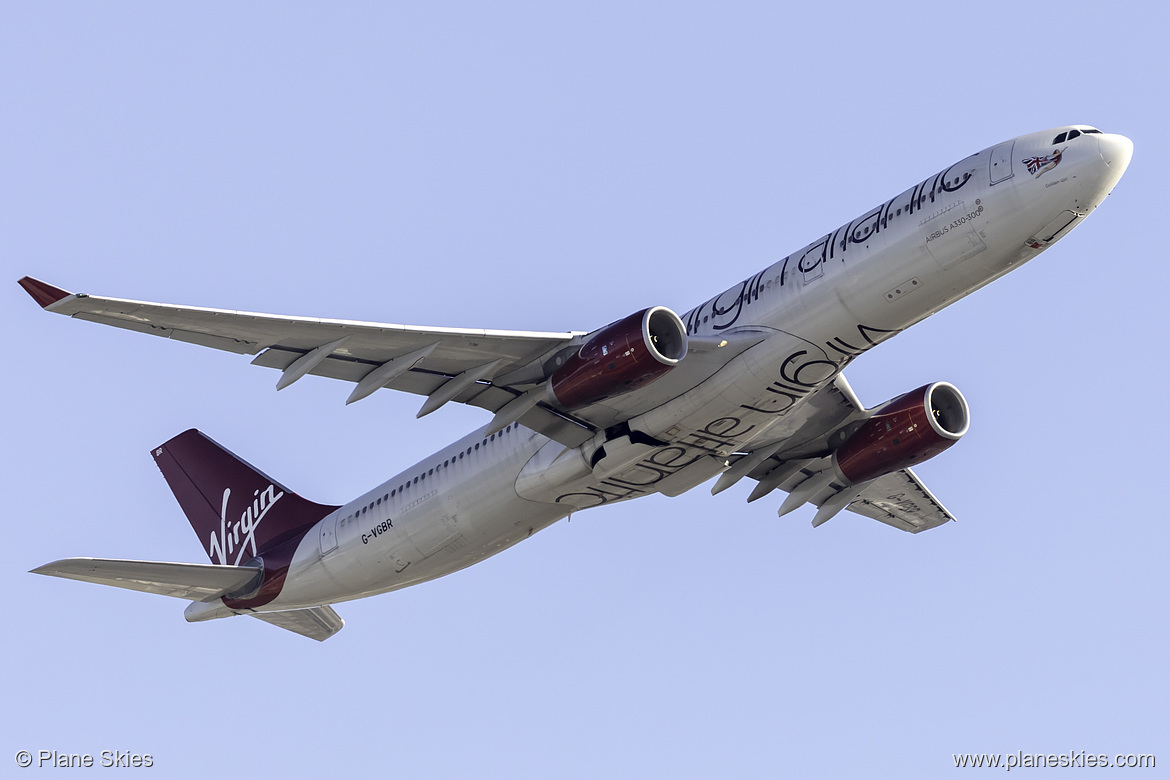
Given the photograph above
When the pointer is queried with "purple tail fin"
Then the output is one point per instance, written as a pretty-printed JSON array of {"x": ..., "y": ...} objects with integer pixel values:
[{"x": 237, "y": 511}]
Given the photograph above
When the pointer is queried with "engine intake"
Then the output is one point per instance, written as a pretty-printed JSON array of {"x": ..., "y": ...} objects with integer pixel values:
[
  {"x": 904, "y": 432},
  {"x": 623, "y": 356}
]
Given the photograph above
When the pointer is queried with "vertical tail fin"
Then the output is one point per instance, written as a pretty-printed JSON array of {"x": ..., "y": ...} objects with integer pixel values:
[{"x": 237, "y": 511}]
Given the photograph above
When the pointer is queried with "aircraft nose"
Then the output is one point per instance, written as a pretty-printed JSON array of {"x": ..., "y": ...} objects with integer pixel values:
[{"x": 1116, "y": 151}]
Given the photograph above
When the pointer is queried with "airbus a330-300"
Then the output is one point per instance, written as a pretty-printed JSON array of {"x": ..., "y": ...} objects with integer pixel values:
[{"x": 748, "y": 384}]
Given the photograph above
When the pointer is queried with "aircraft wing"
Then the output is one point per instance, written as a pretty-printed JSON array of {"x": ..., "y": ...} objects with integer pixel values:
[
  {"x": 445, "y": 364},
  {"x": 901, "y": 500},
  {"x": 898, "y": 499},
  {"x": 806, "y": 473}
]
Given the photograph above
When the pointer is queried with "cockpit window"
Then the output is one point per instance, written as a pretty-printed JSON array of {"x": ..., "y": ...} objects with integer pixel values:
[{"x": 1068, "y": 135}]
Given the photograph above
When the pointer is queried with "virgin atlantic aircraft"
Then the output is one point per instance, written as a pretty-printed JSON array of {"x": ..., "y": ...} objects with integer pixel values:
[{"x": 746, "y": 385}]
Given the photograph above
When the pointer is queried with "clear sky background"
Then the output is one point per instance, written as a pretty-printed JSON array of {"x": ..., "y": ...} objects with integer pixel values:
[{"x": 546, "y": 167}]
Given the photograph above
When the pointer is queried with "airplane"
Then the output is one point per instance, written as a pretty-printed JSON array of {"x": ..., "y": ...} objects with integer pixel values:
[{"x": 748, "y": 384}]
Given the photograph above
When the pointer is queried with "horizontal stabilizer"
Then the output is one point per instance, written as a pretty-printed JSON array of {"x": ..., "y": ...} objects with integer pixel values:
[
  {"x": 318, "y": 623},
  {"x": 195, "y": 581}
]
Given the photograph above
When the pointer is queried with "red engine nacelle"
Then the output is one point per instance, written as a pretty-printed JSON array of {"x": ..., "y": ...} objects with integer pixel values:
[
  {"x": 621, "y": 357},
  {"x": 906, "y": 431}
]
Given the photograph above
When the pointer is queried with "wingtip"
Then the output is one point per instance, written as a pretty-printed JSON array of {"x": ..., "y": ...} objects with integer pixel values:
[
  {"x": 43, "y": 293},
  {"x": 50, "y": 569}
]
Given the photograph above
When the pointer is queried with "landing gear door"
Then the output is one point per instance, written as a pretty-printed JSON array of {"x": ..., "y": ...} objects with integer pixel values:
[{"x": 1000, "y": 166}]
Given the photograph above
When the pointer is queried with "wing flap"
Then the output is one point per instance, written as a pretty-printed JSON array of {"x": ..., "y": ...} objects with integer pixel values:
[
  {"x": 318, "y": 623},
  {"x": 194, "y": 581}
]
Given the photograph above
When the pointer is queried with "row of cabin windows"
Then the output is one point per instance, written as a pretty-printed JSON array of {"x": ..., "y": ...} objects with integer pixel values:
[
  {"x": 430, "y": 472},
  {"x": 955, "y": 182},
  {"x": 888, "y": 218}
]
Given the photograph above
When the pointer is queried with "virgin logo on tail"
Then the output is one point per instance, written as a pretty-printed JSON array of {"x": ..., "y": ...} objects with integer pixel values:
[{"x": 240, "y": 536}]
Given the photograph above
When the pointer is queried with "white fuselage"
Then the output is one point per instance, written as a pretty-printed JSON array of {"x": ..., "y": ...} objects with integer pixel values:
[{"x": 816, "y": 309}]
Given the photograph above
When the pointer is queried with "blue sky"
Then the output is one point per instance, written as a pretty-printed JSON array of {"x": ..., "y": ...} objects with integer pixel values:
[{"x": 545, "y": 167}]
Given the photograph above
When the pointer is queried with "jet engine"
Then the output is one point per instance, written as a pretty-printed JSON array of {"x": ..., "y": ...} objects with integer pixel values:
[
  {"x": 621, "y": 357},
  {"x": 904, "y": 432}
]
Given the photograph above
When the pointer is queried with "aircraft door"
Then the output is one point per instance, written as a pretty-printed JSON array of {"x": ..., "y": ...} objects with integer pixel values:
[
  {"x": 1000, "y": 165},
  {"x": 328, "y": 534}
]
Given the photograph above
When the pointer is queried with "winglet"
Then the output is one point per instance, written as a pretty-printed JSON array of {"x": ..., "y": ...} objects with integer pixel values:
[{"x": 43, "y": 293}]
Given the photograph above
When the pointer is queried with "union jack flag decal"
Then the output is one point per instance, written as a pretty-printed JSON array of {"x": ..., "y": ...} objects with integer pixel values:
[{"x": 1041, "y": 165}]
